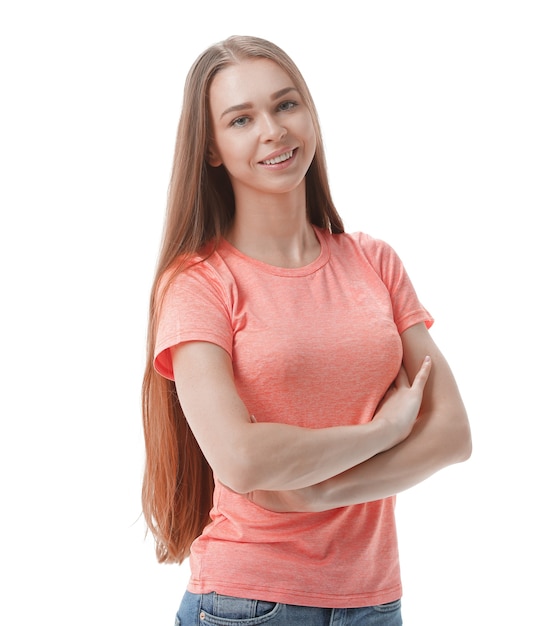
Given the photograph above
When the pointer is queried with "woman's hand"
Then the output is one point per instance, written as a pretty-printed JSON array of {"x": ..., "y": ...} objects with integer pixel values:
[{"x": 399, "y": 409}]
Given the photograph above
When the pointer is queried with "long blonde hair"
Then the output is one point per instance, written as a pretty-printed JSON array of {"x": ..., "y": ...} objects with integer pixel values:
[{"x": 178, "y": 483}]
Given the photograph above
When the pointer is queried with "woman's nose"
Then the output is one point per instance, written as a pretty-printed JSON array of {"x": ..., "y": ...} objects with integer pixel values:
[{"x": 271, "y": 129}]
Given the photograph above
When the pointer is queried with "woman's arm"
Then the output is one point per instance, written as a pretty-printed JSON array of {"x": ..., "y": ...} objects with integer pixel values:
[
  {"x": 248, "y": 456},
  {"x": 440, "y": 437}
]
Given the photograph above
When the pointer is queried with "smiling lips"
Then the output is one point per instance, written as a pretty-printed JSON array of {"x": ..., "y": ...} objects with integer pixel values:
[{"x": 279, "y": 159}]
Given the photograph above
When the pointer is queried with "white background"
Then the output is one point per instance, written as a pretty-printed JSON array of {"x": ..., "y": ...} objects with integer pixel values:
[{"x": 431, "y": 113}]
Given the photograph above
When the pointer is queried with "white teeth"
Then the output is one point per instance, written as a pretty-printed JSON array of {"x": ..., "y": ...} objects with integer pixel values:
[{"x": 279, "y": 159}]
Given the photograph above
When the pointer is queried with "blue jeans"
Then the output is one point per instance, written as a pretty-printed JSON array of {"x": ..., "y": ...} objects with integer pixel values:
[{"x": 211, "y": 609}]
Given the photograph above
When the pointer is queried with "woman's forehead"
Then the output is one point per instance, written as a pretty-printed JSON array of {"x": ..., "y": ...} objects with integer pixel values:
[{"x": 248, "y": 78}]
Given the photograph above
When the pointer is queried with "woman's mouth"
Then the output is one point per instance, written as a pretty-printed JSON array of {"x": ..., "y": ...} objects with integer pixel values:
[{"x": 279, "y": 159}]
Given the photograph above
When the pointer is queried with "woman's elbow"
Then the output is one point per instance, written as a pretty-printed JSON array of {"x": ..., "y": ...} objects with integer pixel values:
[
  {"x": 236, "y": 479},
  {"x": 466, "y": 445},
  {"x": 458, "y": 442},
  {"x": 239, "y": 472}
]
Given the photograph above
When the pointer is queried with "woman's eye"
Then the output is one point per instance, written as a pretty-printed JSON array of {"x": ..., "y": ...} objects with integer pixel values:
[
  {"x": 240, "y": 121},
  {"x": 287, "y": 106}
]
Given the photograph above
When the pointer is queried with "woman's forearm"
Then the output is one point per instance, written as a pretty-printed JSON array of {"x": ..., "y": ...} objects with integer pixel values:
[
  {"x": 430, "y": 448},
  {"x": 276, "y": 456}
]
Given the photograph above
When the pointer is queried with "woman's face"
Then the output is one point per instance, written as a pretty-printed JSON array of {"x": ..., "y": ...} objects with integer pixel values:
[{"x": 263, "y": 133}]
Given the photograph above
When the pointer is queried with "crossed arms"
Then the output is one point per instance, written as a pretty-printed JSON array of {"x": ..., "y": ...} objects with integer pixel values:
[{"x": 420, "y": 427}]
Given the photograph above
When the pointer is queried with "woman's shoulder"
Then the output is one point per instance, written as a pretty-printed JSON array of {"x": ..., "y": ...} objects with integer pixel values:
[
  {"x": 202, "y": 267},
  {"x": 361, "y": 242}
]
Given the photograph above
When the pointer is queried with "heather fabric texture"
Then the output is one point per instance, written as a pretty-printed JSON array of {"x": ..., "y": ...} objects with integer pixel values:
[{"x": 315, "y": 346}]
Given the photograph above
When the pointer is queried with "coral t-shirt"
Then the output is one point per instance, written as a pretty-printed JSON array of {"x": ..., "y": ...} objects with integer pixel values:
[{"x": 315, "y": 346}]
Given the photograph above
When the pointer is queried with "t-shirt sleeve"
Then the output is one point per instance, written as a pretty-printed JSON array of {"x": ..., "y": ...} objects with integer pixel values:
[
  {"x": 193, "y": 306},
  {"x": 406, "y": 306}
]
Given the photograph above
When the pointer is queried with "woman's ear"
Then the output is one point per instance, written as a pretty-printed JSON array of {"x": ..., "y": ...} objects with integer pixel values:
[{"x": 212, "y": 156}]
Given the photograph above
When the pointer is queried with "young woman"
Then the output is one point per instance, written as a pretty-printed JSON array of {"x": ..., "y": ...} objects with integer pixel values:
[{"x": 292, "y": 387}]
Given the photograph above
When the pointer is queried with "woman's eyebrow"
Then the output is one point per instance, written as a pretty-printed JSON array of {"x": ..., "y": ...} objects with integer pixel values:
[
  {"x": 236, "y": 107},
  {"x": 282, "y": 92},
  {"x": 248, "y": 105}
]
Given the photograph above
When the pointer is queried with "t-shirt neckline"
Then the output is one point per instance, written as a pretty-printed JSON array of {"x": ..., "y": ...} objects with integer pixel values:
[{"x": 310, "y": 268}]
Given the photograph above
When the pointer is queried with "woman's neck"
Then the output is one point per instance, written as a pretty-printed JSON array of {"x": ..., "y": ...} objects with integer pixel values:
[{"x": 275, "y": 232}]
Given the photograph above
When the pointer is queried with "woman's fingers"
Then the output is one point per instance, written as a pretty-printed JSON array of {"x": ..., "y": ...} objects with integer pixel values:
[
  {"x": 422, "y": 375},
  {"x": 420, "y": 379}
]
